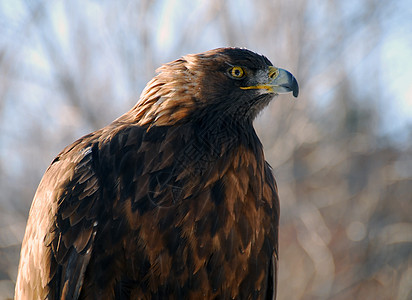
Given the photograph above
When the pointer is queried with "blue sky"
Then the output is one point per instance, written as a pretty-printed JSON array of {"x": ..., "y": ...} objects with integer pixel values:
[{"x": 391, "y": 88}]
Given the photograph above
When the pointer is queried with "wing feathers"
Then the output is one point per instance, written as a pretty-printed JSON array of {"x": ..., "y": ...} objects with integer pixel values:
[{"x": 165, "y": 217}]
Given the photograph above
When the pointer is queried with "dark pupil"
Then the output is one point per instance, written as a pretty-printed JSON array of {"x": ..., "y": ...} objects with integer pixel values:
[{"x": 237, "y": 72}]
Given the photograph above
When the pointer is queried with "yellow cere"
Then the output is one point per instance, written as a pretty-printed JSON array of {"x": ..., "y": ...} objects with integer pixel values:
[{"x": 273, "y": 72}]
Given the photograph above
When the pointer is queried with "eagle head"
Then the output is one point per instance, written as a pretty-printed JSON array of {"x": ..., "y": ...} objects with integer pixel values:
[{"x": 226, "y": 82}]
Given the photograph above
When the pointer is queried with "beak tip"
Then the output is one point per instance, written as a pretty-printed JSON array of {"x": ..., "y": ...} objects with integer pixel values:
[
  {"x": 295, "y": 87},
  {"x": 295, "y": 93}
]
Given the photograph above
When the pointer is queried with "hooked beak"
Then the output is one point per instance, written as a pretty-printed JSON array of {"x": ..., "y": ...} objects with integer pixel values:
[
  {"x": 284, "y": 82},
  {"x": 277, "y": 81}
]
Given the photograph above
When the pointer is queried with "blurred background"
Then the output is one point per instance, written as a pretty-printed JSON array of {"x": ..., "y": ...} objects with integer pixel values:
[{"x": 341, "y": 152}]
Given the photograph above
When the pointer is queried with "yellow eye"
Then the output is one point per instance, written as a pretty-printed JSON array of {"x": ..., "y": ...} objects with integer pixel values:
[{"x": 237, "y": 72}]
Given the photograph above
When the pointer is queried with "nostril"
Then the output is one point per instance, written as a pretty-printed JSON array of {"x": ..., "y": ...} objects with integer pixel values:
[{"x": 273, "y": 72}]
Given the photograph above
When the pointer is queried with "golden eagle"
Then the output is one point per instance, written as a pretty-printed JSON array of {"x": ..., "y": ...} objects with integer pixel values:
[{"x": 174, "y": 199}]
